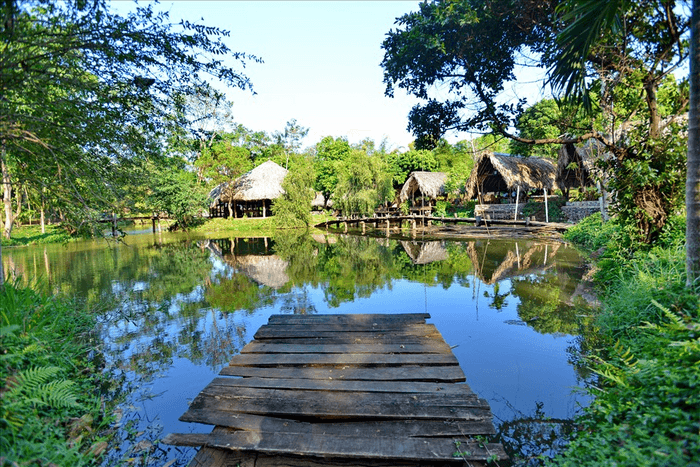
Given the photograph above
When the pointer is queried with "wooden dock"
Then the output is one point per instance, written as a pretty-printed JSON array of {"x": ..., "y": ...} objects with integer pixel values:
[
  {"x": 346, "y": 390},
  {"x": 414, "y": 221}
]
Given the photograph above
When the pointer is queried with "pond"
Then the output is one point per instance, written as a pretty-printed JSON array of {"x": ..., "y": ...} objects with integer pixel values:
[{"x": 175, "y": 308}]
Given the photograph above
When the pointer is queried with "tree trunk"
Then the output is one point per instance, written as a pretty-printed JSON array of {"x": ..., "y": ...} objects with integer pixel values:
[
  {"x": 7, "y": 196},
  {"x": 692, "y": 188},
  {"x": 43, "y": 215},
  {"x": 18, "y": 197}
]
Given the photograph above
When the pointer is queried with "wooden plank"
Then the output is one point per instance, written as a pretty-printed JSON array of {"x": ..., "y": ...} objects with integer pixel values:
[
  {"x": 341, "y": 385},
  {"x": 340, "y": 407},
  {"x": 345, "y": 398},
  {"x": 387, "y": 428},
  {"x": 351, "y": 338},
  {"x": 432, "y": 346},
  {"x": 445, "y": 374},
  {"x": 436, "y": 449},
  {"x": 215, "y": 457},
  {"x": 312, "y": 330},
  {"x": 416, "y": 318},
  {"x": 364, "y": 360},
  {"x": 301, "y": 333}
]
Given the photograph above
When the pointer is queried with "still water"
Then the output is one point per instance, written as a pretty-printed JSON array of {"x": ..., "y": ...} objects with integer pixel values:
[{"x": 175, "y": 308}]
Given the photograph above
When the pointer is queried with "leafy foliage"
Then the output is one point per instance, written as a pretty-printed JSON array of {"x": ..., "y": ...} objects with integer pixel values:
[
  {"x": 363, "y": 184},
  {"x": 293, "y": 208},
  {"x": 47, "y": 379},
  {"x": 176, "y": 192},
  {"x": 646, "y": 405}
]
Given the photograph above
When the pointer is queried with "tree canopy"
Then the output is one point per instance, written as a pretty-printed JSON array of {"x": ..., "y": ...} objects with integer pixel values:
[
  {"x": 85, "y": 91},
  {"x": 458, "y": 56}
]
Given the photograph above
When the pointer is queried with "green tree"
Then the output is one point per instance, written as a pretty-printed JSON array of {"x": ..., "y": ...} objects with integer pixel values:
[
  {"x": 176, "y": 191},
  {"x": 290, "y": 139},
  {"x": 401, "y": 164},
  {"x": 84, "y": 90},
  {"x": 363, "y": 184},
  {"x": 627, "y": 66},
  {"x": 329, "y": 153},
  {"x": 293, "y": 208}
]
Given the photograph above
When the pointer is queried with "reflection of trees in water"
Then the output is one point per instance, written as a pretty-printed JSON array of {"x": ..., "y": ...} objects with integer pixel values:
[
  {"x": 498, "y": 300},
  {"x": 235, "y": 292},
  {"x": 528, "y": 439}
]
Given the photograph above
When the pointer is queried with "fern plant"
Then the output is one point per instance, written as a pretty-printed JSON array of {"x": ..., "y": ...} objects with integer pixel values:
[{"x": 35, "y": 388}]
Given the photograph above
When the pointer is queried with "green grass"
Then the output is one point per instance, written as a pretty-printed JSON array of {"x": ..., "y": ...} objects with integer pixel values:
[
  {"x": 249, "y": 226},
  {"x": 646, "y": 410},
  {"x": 31, "y": 235},
  {"x": 50, "y": 413}
]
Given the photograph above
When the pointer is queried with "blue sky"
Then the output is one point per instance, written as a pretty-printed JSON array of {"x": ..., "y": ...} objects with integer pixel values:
[{"x": 322, "y": 65}]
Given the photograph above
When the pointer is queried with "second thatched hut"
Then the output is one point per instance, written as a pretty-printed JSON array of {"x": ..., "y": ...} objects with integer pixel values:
[
  {"x": 427, "y": 185},
  {"x": 499, "y": 173},
  {"x": 495, "y": 174}
]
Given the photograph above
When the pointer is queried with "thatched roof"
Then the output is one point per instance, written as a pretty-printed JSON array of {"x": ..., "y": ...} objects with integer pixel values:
[
  {"x": 263, "y": 182},
  {"x": 501, "y": 172},
  {"x": 425, "y": 252},
  {"x": 585, "y": 173},
  {"x": 319, "y": 201},
  {"x": 430, "y": 184}
]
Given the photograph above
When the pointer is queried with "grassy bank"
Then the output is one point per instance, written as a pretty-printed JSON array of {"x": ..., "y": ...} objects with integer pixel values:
[
  {"x": 252, "y": 226},
  {"x": 647, "y": 406},
  {"x": 31, "y": 235},
  {"x": 50, "y": 412}
]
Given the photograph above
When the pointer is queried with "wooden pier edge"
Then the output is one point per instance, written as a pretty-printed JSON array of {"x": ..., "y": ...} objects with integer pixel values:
[{"x": 369, "y": 390}]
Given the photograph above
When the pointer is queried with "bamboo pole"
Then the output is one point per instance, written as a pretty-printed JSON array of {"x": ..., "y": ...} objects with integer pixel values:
[
  {"x": 517, "y": 198},
  {"x": 546, "y": 206}
]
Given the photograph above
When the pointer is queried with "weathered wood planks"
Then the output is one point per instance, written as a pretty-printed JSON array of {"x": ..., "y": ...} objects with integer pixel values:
[{"x": 346, "y": 390}]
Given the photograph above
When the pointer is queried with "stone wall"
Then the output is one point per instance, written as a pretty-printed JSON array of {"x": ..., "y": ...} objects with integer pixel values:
[
  {"x": 577, "y": 210},
  {"x": 498, "y": 211}
]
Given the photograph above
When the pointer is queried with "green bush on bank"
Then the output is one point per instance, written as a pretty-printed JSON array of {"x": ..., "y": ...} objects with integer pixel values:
[
  {"x": 647, "y": 397},
  {"x": 50, "y": 413}
]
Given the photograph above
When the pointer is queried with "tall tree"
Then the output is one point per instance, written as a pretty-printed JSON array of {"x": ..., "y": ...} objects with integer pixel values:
[
  {"x": 471, "y": 48},
  {"x": 692, "y": 193},
  {"x": 588, "y": 21},
  {"x": 85, "y": 90}
]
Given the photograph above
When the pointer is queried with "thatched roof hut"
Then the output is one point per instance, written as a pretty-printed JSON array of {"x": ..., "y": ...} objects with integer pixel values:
[
  {"x": 576, "y": 167},
  {"x": 251, "y": 194},
  {"x": 429, "y": 184},
  {"x": 263, "y": 182},
  {"x": 425, "y": 252},
  {"x": 497, "y": 173},
  {"x": 319, "y": 201}
]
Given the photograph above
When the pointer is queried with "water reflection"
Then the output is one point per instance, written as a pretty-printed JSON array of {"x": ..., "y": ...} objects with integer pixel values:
[{"x": 174, "y": 309}]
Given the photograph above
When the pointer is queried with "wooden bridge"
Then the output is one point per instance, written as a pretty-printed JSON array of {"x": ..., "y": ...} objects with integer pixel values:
[
  {"x": 344, "y": 390},
  {"x": 413, "y": 221}
]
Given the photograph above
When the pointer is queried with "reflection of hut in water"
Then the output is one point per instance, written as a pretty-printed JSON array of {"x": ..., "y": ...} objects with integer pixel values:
[
  {"x": 491, "y": 269},
  {"x": 425, "y": 252},
  {"x": 269, "y": 270},
  {"x": 430, "y": 185},
  {"x": 251, "y": 194},
  {"x": 265, "y": 270}
]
